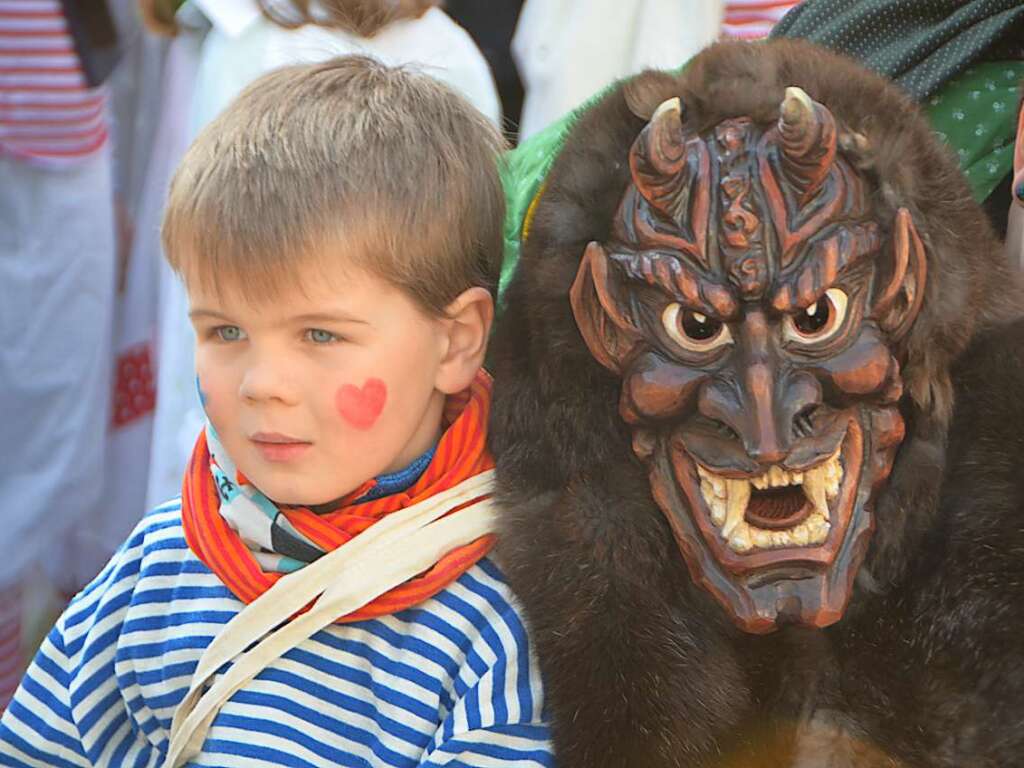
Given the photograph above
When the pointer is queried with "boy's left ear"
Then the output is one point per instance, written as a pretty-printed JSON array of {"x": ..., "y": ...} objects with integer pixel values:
[{"x": 467, "y": 325}]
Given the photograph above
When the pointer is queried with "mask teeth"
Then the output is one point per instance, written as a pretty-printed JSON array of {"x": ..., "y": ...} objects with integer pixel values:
[
  {"x": 727, "y": 500},
  {"x": 735, "y": 505}
]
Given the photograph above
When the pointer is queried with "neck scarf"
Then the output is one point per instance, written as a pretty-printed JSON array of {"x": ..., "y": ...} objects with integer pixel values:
[{"x": 250, "y": 543}]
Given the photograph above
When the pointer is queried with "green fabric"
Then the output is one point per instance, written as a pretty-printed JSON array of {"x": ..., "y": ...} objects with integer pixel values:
[
  {"x": 522, "y": 174},
  {"x": 974, "y": 113},
  {"x": 919, "y": 44}
]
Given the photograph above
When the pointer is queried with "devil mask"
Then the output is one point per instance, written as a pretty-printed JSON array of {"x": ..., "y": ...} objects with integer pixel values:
[{"x": 746, "y": 302}]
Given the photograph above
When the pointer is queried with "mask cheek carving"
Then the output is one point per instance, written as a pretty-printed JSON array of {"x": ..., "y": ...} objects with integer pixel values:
[
  {"x": 864, "y": 368},
  {"x": 361, "y": 406},
  {"x": 656, "y": 389}
]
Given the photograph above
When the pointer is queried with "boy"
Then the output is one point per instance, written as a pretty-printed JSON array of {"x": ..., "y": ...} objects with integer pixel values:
[{"x": 338, "y": 229}]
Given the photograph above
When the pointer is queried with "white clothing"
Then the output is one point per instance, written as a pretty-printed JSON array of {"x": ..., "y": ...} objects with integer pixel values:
[
  {"x": 135, "y": 94},
  {"x": 568, "y": 50},
  {"x": 57, "y": 257},
  {"x": 433, "y": 43},
  {"x": 172, "y": 433}
]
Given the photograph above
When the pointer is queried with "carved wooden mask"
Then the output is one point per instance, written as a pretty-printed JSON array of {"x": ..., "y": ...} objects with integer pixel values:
[{"x": 750, "y": 303}]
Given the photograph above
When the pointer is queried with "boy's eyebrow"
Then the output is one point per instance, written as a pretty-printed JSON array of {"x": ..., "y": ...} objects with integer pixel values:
[
  {"x": 329, "y": 317},
  {"x": 195, "y": 314},
  {"x": 312, "y": 317}
]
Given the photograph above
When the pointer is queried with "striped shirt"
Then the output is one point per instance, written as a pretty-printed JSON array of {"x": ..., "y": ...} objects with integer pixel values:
[
  {"x": 753, "y": 19},
  {"x": 450, "y": 682},
  {"x": 47, "y": 113}
]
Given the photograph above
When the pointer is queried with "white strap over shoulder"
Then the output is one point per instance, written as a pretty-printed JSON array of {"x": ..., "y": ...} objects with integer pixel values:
[{"x": 399, "y": 547}]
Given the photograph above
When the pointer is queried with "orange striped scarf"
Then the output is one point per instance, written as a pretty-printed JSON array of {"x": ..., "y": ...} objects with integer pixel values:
[{"x": 461, "y": 454}]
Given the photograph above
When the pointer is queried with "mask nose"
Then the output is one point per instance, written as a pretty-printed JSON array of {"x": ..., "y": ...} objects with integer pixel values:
[
  {"x": 766, "y": 415},
  {"x": 764, "y": 442},
  {"x": 765, "y": 403}
]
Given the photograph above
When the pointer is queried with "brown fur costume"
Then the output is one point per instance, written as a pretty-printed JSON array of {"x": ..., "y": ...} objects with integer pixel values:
[{"x": 642, "y": 666}]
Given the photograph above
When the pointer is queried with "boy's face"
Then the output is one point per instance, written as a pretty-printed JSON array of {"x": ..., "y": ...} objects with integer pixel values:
[{"x": 318, "y": 390}]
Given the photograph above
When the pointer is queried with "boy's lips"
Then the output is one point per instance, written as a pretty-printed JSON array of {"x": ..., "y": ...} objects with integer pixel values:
[{"x": 276, "y": 447}]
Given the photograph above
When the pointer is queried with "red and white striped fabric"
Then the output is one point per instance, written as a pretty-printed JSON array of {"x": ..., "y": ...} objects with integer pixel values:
[
  {"x": 753, "y": 19},
  {"x": 47, "y": 113}
]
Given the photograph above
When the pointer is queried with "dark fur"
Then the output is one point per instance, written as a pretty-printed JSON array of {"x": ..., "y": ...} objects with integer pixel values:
[{"x": 642, "y": 668}]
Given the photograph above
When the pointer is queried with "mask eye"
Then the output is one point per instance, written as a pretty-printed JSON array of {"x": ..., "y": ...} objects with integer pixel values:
[
  {"x": 693, "y": 331},
  {"x": 820, "y": 321}
]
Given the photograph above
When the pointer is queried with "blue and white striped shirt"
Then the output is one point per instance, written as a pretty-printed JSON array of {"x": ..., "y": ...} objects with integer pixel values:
[{"x": 449, "y": 682}]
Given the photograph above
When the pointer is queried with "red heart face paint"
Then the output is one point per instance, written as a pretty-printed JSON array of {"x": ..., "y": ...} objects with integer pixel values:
[{"x": 361, "y": 407}]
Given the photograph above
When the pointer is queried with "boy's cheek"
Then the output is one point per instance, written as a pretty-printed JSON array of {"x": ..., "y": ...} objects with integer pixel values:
[
  {"x": 211, "y": 392},
  {"x": 206, "y": 381},
  {"x": 361, "y": 405}
]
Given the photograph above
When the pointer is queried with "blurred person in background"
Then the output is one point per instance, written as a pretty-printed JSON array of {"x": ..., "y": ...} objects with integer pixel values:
[
  {"x": 57, "y": 272},
  {"x": 568, "y": 50},
  {"x": 753, "y": 19},
  {"x": 491, "y": 25},
  {"x": 133, "y": 95},
  {"x": 234, "y": 43}
]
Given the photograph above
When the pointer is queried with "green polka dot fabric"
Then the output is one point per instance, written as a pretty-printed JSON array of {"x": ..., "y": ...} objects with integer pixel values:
[
  {"x": 976, "y": 114},
  {"x": 920, "y": 44}
]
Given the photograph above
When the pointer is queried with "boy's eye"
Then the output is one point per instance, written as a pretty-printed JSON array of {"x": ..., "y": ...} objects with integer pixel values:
[
  {"x": 320, "y": 336},
  {"x": 229, "y": 333}
]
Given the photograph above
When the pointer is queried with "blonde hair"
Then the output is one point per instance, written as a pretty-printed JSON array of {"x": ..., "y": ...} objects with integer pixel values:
[{"x": 346, "y": 162}]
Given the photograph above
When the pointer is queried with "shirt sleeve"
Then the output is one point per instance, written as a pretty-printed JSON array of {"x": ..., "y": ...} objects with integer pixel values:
[
  {"x": 37, "y": 729},
  {"x": 497, "y": 716}
]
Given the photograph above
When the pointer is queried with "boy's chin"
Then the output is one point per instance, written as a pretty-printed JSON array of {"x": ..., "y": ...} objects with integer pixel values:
[
  {"x": 300, "y": 484},
  {"x": 318, "y": 503},
  {"x": 293, "y": 494}
]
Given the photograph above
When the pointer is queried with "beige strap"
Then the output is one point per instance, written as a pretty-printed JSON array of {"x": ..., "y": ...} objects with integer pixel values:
[{"x": 399, "y": 547}]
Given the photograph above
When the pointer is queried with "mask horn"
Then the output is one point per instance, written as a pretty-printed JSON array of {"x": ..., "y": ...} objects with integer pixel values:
[
  {"x": 666, "y": 145},
  {"x": 808, "y": 141},
  {"x": 670, "y": 171}
]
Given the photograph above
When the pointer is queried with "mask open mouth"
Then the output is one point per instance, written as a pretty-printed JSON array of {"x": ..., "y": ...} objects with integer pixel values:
[
  {"x": 787, "y": 541},
  {"x": 779, "y": 508}
]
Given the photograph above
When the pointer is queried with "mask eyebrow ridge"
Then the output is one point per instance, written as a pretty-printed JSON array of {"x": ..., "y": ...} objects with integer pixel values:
[
  {"x": 672, "y": 274},
  {"x": 823, "y": 263}
]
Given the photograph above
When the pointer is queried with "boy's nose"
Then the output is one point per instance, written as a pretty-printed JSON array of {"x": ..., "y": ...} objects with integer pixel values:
[{"x": 266, "y": 380}]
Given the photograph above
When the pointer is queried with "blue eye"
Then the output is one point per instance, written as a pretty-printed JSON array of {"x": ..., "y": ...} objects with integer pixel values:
[
  {"x": 229, "y": 333},
  {"x": 320, "y": 336}
]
